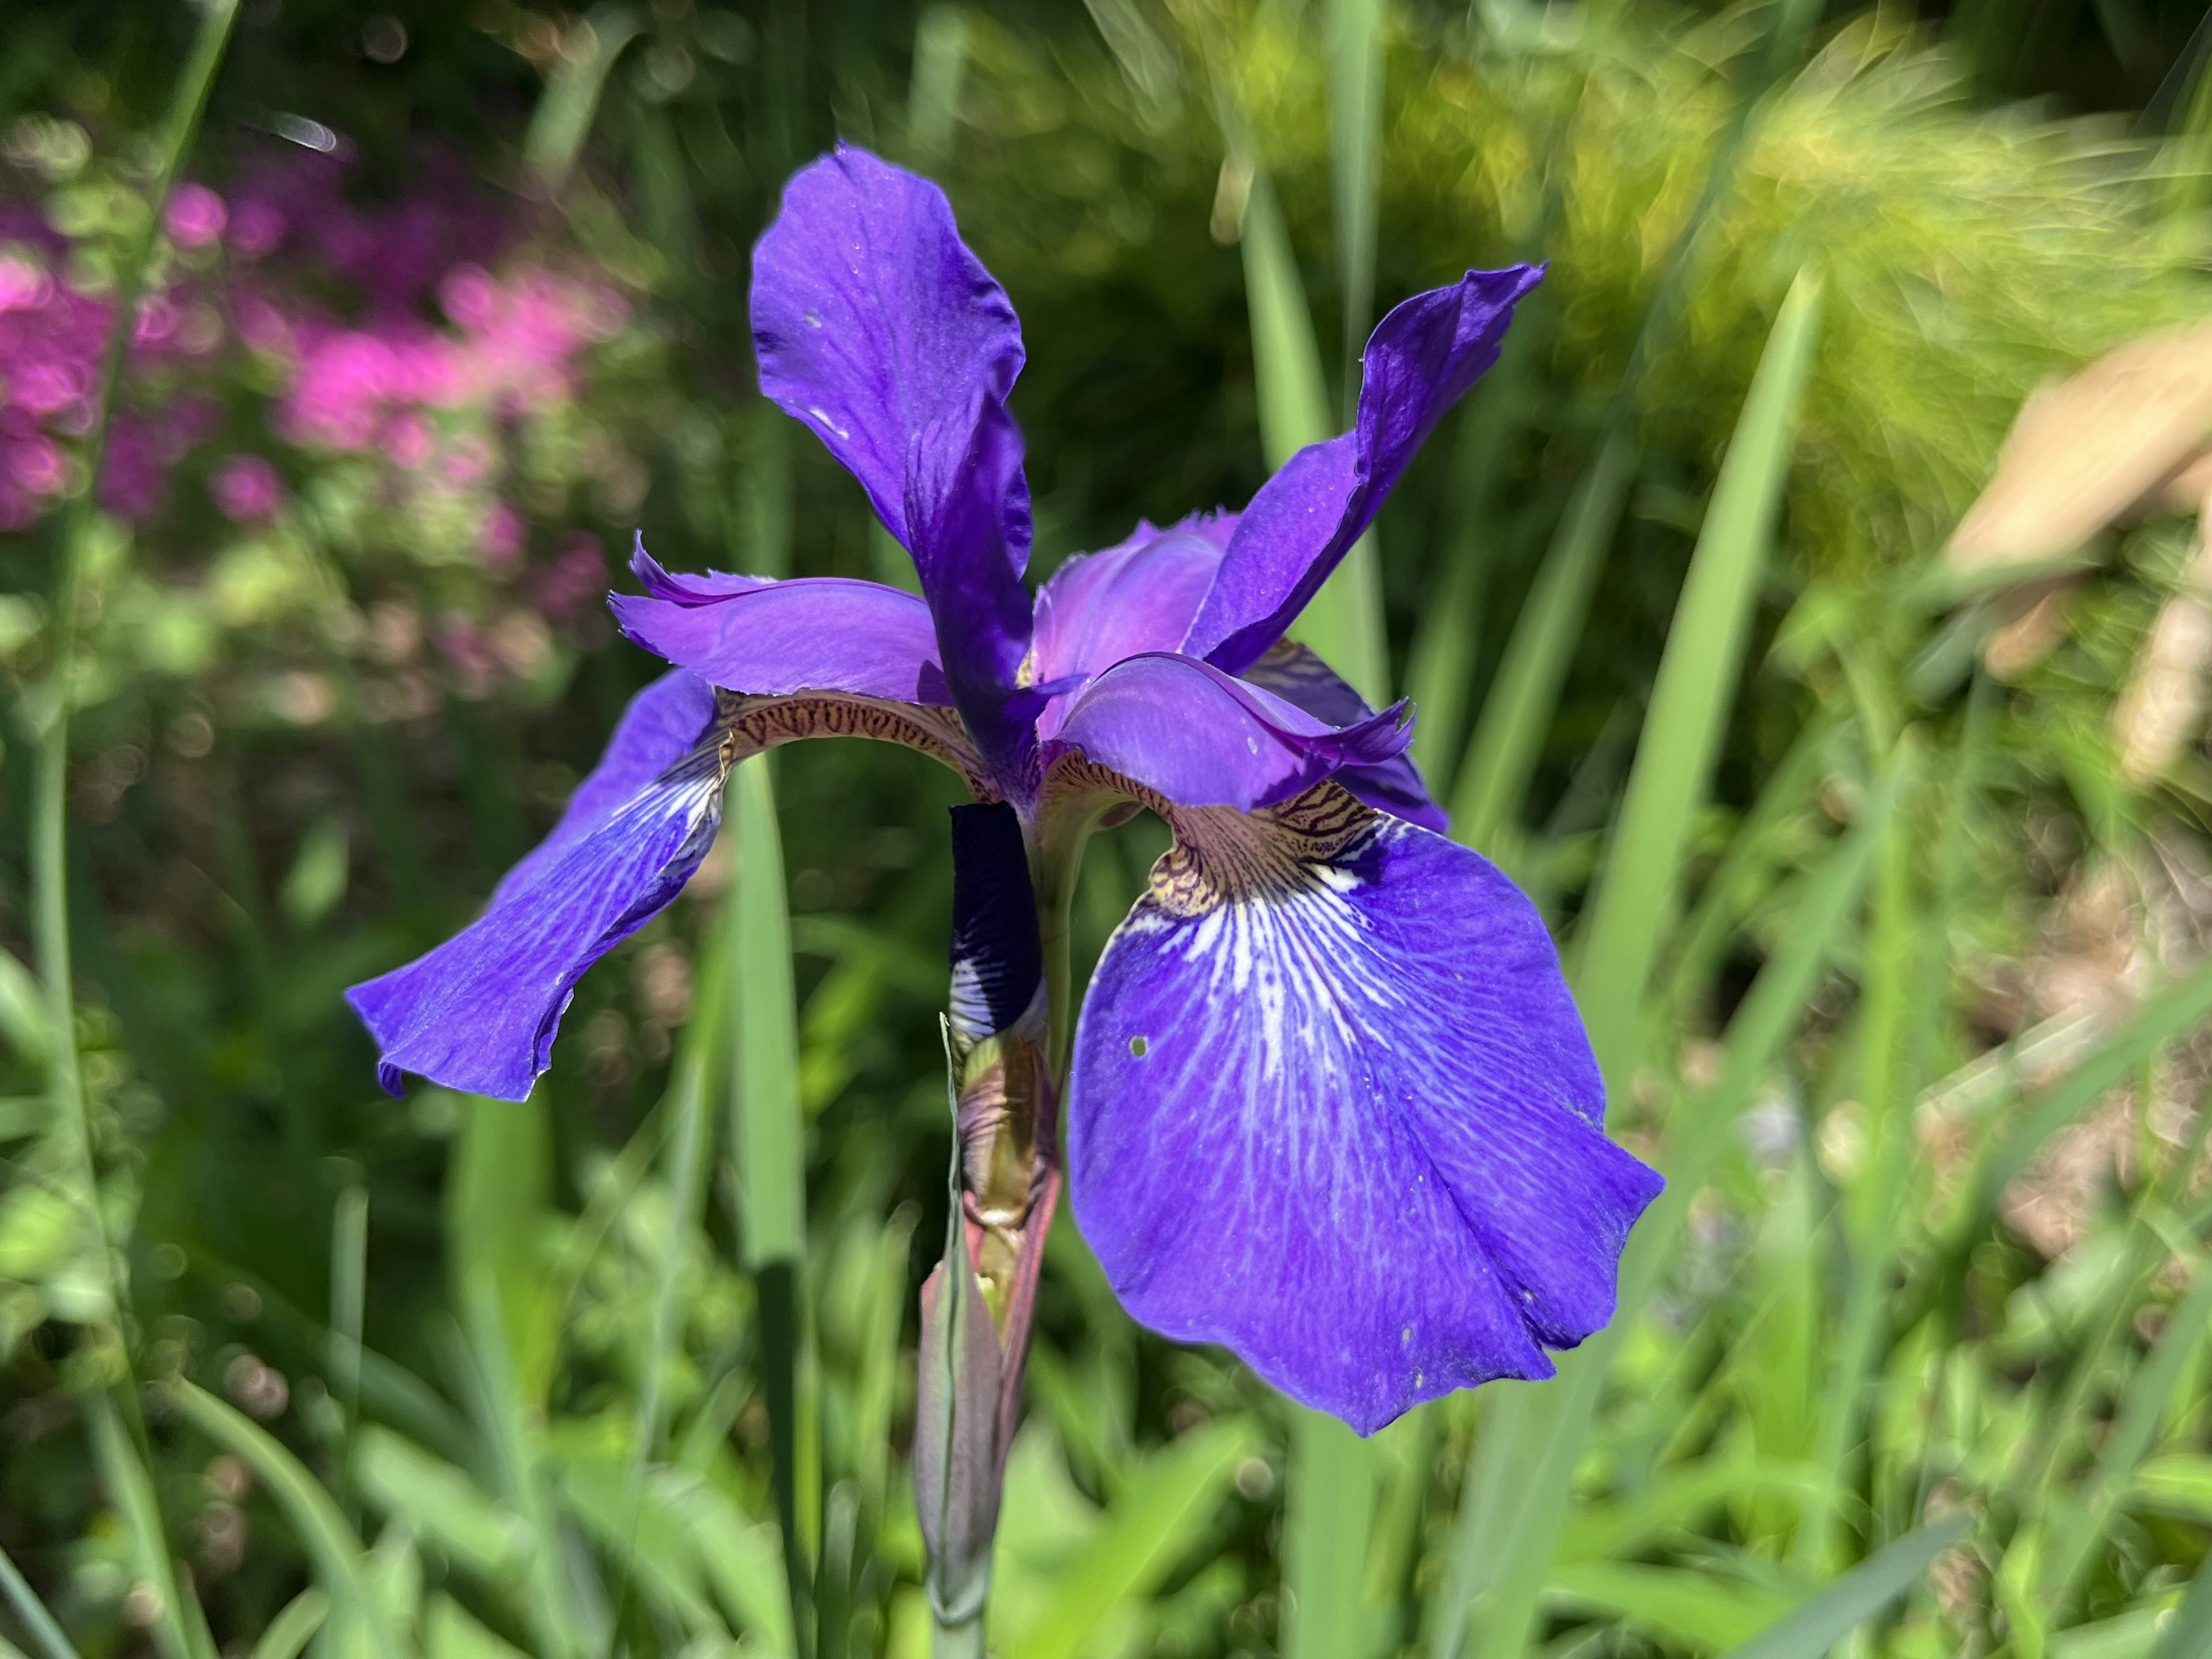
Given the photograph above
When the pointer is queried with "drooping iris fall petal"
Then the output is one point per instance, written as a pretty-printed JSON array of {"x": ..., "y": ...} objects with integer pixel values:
[
  {"x": 1332, "y": 1106},
  {"x": 478, "y": 1012},
  {"x": 1419, "y": 362},
  {"x": 875, "y": 326}
]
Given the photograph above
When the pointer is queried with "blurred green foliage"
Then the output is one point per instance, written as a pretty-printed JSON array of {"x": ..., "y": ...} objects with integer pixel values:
[{"x": 1899, "y": 977}]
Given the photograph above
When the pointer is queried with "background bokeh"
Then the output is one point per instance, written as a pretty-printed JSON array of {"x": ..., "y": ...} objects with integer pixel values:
[{"x": 1877, "y": 846}]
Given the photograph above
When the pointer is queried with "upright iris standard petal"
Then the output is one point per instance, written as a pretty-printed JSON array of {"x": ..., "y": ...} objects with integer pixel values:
[
  {"x": 1140, "y": 596},
  {"x": 877, "y": 327},
  {"x": 1183, "y": 729},
  {"x": 1419, "y": 362},
  {"x": 478, "y": 1012},
  {"x": 773, "y": 638},
  {"x": 1296, "y": 675},
  {"x": 1332, "y": 1106}
]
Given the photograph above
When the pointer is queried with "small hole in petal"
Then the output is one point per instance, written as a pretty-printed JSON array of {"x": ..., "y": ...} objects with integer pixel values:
[
  {"x": 1139, "y": 1046},
  {"x": 1406, "y": 1335},
  {"x": 813, "y": 318}
]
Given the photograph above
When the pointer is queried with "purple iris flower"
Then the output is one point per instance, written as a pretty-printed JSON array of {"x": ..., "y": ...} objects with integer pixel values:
[{"x": 1328, "y": 1101}]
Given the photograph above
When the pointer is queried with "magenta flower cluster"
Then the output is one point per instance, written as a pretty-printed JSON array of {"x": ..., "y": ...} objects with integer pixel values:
[{"x": 399, "y": 334}]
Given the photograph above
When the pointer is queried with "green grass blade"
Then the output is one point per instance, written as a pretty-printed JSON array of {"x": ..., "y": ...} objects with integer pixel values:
[
  {"x": 1344, "y": 622},
  {"x": 1152, "y": 1523},
  {"x": 768, "y": 1132},
  {"x": 1676, "y": 1605},
  {"x": 329, "y": 1542},
  {"x": 1694, "y": 692},
  {"x": 940, "y": 64},
  {"x": 508, "y": 1429},
  {"x": 2156, "y": 1021},
  {"x": 295, "y": 1622},
  {"x": 77, "y": 530},
  {"x": 563, "y": 120},
  {"x": 132, "y": 1486},
  {"x": 1870, "y": 1204},
  {"x": 1329, "y": 1502},
  {"x": 442, "y": 1506},
  {"x": 690, "y": 1148},
  {"x": 2144, "y": 1405},
  {"x": 1442, "y": 661},
  {"x": 2190, "y": 1635},
  {"x": 1813, "y": 1629},
  {"x": 1525, "y": 1472},
  {"x": 1509, "y": 734},
  {"x": 1355, "y": 149},
  {"x": 44, "y": 1629},
  {"x": 349, "y": 1299}
]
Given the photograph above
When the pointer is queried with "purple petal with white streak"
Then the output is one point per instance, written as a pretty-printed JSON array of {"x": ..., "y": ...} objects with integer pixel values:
[
  {"x": 478, "y": 1012},
  {"x": 773, "y": 638},
  {"x": 1185, "y": 730},
  {"x": 1419, "y": 362},
  {"x": 1332, "y": 1106}
]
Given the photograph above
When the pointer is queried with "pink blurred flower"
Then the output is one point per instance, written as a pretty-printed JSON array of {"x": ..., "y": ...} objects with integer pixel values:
[
  {"x": 245, "y": 487},
  {"x": 23, "y": 286},
  {"x": 500, "y": 540},
  {"x": 196, "y": 216},
  {"x": 36, "y": 465},
  {"x": 574, "y": 579},
  {"x": 407, "y": 441},
  {"x": 255, "y": 229}
]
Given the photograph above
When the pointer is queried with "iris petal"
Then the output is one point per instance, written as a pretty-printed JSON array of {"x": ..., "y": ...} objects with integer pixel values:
[
  {"x": 1332, "y": 1106},
  {"x": 1419, "y": 362},
  {"x": 478, "y": 1013},
  {"x": 1184, "y": 730},
  {"x": 1295, "y": 674},
  {"x": 1140, "y": 596},
  {"x": 877, "y": 327},
  {"x": 773, "y": 638}
]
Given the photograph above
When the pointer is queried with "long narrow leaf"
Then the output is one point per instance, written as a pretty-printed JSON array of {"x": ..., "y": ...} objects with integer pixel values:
[
  {"x": 1153, "y": 1522},
  {"x": 1696, "y": 687},
  {"x": 769, "y": 1134},
  {"x": 1509, "y": 734},
  {"x": 44, "y": 1629},
  {"x": 329, "y": 1542},
  {"x": 1329, "y": 1500},
  {"x": 1813, "y": 1629},
  {"x": 295, "y": 1622},
  {"x": 1558, "y": 1417},
  {"x": 2144, "y": 1405},
  {"x": 131, "y": 1484},
  {"x": 1344, "y": 622}
]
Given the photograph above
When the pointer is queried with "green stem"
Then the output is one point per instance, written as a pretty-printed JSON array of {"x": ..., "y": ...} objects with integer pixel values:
[
  {"x": 50, "y": 810},
  {"x": 1059, "y": 862},
  {"x": 963, "y": 1641}
]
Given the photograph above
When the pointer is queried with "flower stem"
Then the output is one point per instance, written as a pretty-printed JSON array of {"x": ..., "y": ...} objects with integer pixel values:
[
  {"x": 962, "y": 1641},
  {"x": 1059, "y": 862},
  {"x": 49, "y": 847}
]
